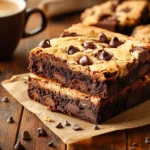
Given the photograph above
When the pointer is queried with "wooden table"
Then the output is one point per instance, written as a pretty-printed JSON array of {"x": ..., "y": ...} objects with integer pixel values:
[{"x": 24, "y": 120}]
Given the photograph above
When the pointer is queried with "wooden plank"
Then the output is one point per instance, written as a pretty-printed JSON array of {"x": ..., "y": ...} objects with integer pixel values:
[
  {"x": 138, "y": 136},
  {"x": 8, "y": 132},
  {"x": 31, "y": 123},
  {"x": 111, "y": 141}
]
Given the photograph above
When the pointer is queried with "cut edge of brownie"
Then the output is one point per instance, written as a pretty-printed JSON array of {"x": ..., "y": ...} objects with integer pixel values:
[
  {"x": 51, "y": 67},
  {"x": 85, "y": 109}
]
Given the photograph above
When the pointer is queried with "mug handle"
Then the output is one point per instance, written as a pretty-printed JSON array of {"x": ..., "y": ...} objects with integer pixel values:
[{"x": 29, "y": 12}]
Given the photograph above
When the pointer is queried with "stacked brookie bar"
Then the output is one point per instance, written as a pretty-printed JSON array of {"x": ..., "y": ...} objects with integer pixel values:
[
  {"x": 117, "y": 15},
  {"x": 90, "y": 73}
]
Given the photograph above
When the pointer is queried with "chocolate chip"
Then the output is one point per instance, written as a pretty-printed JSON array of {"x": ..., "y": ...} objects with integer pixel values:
[
  {"x": 67, "y": 34},
  {"x": 41, "y": 132},
  {"x": 19, "y": 146},
  {"x": 95, "y": 127},
  {"x": 147, "y": 140},
  {"x": 50, "y": 144},
  {"x": 76, "y": 127},
  {"x": 114, "y": 42},
  {"x": 134, "y": 144},
  {"x": 104, "y": 55},
  {"x": 45, "y": 43},
  {"x": 67, "y": 123},
  {"x": 103, "y": 38},
  {"x": 59, "y": 125},
  {"x": 85, "y": 61},
  {"x": 89, "y": 45},
  {"x": 5, "y": 99},
  {"x": 26, "y": 135},
  {"x": 10, "y": 120},
  {"x": 72, "y": 50}
]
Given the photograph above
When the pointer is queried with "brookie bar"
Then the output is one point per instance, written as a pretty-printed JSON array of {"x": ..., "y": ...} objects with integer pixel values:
[
  {"x": 85, "y": 106},
  {"x": 92, "y": 60},
  {"x": 117, "y": 15}
]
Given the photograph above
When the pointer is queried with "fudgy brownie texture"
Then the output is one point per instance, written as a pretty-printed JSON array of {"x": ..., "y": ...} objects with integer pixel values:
[
  {"x": 92, "y": 60},
  {"x": 85, "y": 106},
  {"x": 142, "y": 32},
  {"x": 117, "y": 15}
]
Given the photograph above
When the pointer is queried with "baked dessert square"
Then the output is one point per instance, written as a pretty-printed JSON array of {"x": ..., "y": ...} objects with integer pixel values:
[
  {"x": 85, "y": 106},
  {"x": 142, "y": 32},
  {"x": 117, "y": 15},
  {"x": 92, "y": 60}
]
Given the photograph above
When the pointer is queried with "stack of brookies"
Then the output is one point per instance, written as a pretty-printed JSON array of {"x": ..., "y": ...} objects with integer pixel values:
[
  {"x": 117, "y": 15},
  {"x": 90, "y": 73}
]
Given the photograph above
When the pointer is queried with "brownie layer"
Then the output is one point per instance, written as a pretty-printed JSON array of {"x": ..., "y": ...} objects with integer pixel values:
[
  {"x": 84, "y": 106},
  {"x": 51, "y": 67}
]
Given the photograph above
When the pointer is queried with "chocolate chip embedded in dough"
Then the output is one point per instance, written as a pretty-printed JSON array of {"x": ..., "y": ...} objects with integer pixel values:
[
  {"x": 67, "y": 34},
  {"x": 67, "y": 123},
  {"x": 76, "y": 127},
  {"x": 114, "y": 43},
  {"x": 41, "y": 132},
  {"x": 72, "y": 50},
  {"x": 45, "y": 43},
  {"x": 104, "y": 55},
  {"x": 103, "y": 38},
  {"x": 89, "y": 45},
  {"x": 59, "y": 125},
  {"x": 85, "y": 61},
  {"x": 95, "y": 127}
]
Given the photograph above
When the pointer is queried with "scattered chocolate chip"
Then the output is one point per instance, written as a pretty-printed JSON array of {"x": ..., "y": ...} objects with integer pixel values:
[
  {"x": 26, "y": 135},
  {"x": 59, "y": 125},
  {"x": 76, "y": 127},
  {"x": 89, "y": 45},
  {"x": 134, "y": 144},
  {"x": 10, "y": 120},
  {"x": 103, "y": 38},
  {"x": 45, "y": 43},
  {"x": 95, "y": 127},
  {"x": 67, "y": 123},
  {"x": 41, "y": 132},
  {"x": 85, "y": 61},
  {"x": 147, "y": 140},
  {"x": 19, "y": 146},
  {"x": 104, "y": 55},
  {"x": 50, "y": 144},
  {"x": 72, "y": 50},
  {"x": 127, "y": 9},
  {"x": 114, "y": 42},
  {"x": 5, "y": 99},
  {"x": 67, "y": 34}
]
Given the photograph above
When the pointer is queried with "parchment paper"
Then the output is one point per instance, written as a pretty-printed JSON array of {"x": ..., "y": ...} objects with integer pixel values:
[{"x": 135, "y": 117}]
